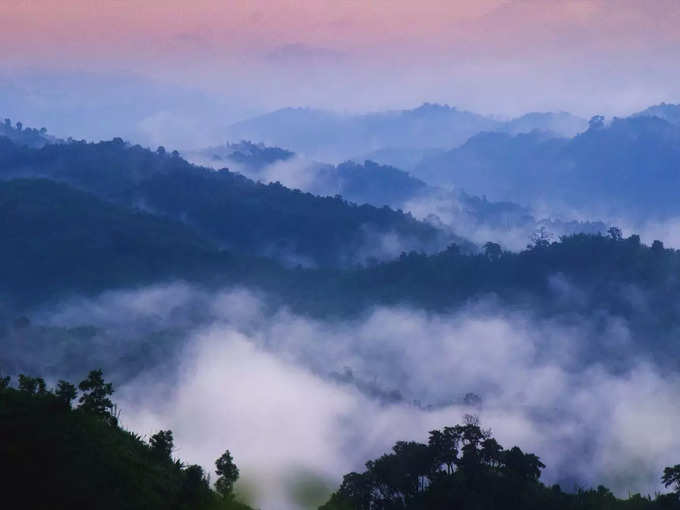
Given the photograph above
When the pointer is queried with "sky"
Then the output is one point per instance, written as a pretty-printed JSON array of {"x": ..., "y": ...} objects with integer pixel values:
[{"x": 501, "y": 57}]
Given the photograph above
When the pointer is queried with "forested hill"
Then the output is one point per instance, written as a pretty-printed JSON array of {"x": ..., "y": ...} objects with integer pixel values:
[
  {"x": 628, "y": 167},
  {"x": 30, "y": 137},
  {"x": 62, "y": 448},
  {"x": 666, "y": 111},
  {"x": 59, "y": 240},
  {"x": 465, "y": 467},
  {"x": 227, "y": 208},
  {"x": 593, "y": 277}
]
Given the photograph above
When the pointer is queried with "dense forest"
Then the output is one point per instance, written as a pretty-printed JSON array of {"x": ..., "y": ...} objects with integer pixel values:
[
  {"x": 612, "y": 168},
  {"x": 84, "y": 220},
  {"x": 465, "y": 467},
  {"x": 227, "y": 208},
  {"x": 317, "y": 255},
  {"x": 68, "y": 451}
]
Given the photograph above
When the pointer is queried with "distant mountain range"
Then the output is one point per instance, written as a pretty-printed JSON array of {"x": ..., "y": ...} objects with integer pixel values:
[
  {"x": 336, "y": 137},
  {"x": 666, "y": 111},
  {"x": 226, "y": 208},
  {"x": 628, "y": 168},
  {"x": 470, "y": 216},
  {"x": 29, "y": 137}
]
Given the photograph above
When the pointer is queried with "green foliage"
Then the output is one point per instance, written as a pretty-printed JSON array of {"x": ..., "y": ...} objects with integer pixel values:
[
  {"x": 228, "y": 474},
  {"x": 64, "y": 458},
  {"x": 32, "y": 385},
  {"x": 671, "y": 477},
  {"x": 222, "y": 206},
  {"x": 21, "y": 135},
  {"x": 464, "y": 467},
  {"x": 95, "y": 395},
  {"x": 162, "y": 444},
  {"x": 66, "y": 392},
  {"x": 57, "y": 239}
]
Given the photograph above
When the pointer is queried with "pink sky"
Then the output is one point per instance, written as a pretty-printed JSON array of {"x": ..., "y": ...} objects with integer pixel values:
[
  {"x": 492, "y": 56},
  {"x": 135, "y": 30}
]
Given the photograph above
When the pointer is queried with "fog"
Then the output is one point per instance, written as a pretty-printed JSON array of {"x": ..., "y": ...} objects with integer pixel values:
[
  {"x": 300, "y": 401},
  {"x": 154, "y": 104}
]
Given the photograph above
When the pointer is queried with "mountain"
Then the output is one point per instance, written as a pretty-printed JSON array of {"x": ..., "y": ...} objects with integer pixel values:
[
  {"x": 666, "y": 111},
  {"x": 29, "y": 137},
  {"x": 440, "y": 474},
  {"x": 226, "y": 208},
  {"x": 244, "y": 157},
  {"x": 462, "y": 214},
  {"x": 57, "y": 240},
  {"x": 399, "y": 138},
  {"x": 336, "y": 137},
  {"x": 562, "y": 124},
  {"x": 626, "y": 169},
  {"x": 63, "y": 457}
]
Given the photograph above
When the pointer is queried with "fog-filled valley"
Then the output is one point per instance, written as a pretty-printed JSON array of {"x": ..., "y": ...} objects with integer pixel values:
[{"x": 438, "y": 268}]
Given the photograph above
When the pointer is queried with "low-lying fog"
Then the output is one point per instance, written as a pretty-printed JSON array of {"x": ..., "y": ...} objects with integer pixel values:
[{"x": 301, "y": 401}]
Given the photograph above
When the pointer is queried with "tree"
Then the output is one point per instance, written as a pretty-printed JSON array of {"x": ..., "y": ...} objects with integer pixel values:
[
  {"x": 493, "y": 251},
  {"x": 228, "y": 474},
  {"x": 356, "y": 493},
  {"x": 95, "y": 398},
  {"x": 162, "y": 444},
  {"x": 32, "y": 385},
  {"x": 195, "y": 487},
  {"x": 615, "y": 233},
  {"x": 541, "y": 238},
  {"x": 445, "y": 447},
  {"x": 4, "y": 382},
  {"x": 66, "y": 392},
  {"x": 525, "y": 466},
  {"x": 596, "y": 122},
  {"x": 671, "y": 476}
]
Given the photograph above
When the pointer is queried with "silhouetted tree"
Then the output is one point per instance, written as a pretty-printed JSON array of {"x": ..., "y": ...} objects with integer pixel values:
[
  {"x": 615, "y": 233},
  {"x": 162, "y": 444},
  {"x": 32, "y": 385},
  {"x": 227, "y": 473},
  {"x": 66, "y": 392},
  {"x": 493, "y": 251},
  {"x": 95, "y": 398},
  {"x": 541, "y": 238},
  {"x": 596, "y": 122},
  {"x": 671, "y": 477}
]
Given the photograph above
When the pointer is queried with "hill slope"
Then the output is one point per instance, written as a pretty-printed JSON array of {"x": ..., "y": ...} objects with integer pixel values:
[
  {"x": 229, "y": 209},
  {"x": 64, "y": 458},
  {"x": 629, "y": 168},
  {"x": 57, "y": 239}
]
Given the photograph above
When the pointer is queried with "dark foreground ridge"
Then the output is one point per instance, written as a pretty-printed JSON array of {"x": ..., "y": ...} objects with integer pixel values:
[
  {"x": 465, "y": 467},
  {"x": 58, "y": 456},
  {"x": 63, "y": 456}
]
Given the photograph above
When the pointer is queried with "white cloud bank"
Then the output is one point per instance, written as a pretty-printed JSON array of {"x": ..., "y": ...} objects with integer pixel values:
[{"x": 266, "y": 386}]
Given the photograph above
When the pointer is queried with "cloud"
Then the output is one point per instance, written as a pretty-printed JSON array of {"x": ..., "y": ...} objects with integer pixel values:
[{"x": 300, "y": 401}]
